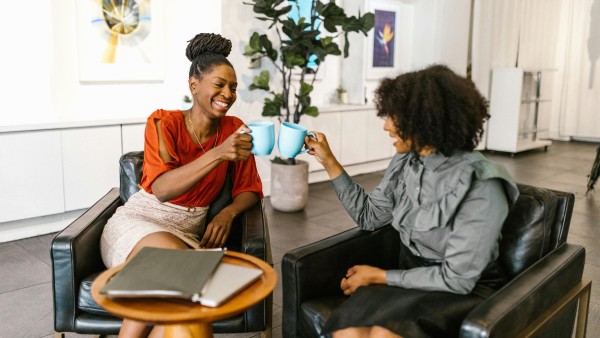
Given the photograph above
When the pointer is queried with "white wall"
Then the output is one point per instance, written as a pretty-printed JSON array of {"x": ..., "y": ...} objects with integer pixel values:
[
  {"x": 441, "y": 33},
  {"x": 42, "y": 70},
  {"x": 42, "y": 74},
  {"x": 26, "y": 61}
]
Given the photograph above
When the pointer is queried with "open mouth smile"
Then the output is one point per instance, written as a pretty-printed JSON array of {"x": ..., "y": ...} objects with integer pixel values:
[{"x": 221, "y": 104}]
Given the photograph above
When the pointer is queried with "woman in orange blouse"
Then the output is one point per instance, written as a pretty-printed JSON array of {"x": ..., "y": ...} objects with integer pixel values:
[{"x": 187, "y": 155}]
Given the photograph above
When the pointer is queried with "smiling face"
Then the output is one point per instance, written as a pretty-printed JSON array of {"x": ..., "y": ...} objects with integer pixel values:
[
  {"x": 402, "y": 146},
  {"x": 215, "y": 92}
]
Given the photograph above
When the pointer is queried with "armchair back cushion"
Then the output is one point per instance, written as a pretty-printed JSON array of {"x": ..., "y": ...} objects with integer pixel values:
[
  {"x": 536, "y": 224},
  {"x": 130, "y": 169}
]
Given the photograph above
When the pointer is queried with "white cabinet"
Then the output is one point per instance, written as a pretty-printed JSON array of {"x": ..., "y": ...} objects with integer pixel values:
[
  {"x": 519, "y": 109},
  {"x": 64, "y": 169},
  {"x": 90, "y": 164},
  {"x": 355, "y": 136},
  {"x": 379, "y": 143},
  {"x": 328, "y": 124},
  {"x": 31, "y": 177}
]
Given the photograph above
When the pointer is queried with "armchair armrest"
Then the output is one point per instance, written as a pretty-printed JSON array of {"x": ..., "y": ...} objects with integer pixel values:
[
  {"x": 514, "y": 307},
  {"x": 254, "y": 241},
  {"x": 255, "y": 235},
  {"x": 75, "y": 255},
  {"x": 315, "y": 270}
]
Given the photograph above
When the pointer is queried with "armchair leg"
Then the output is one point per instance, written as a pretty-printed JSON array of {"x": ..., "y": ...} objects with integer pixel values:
[
  {"x": 580, "y": 293},
  {"x": 59, "y": 335},
  {"x": 269, "y": 331},
  {"x": 582, "y": 312}
]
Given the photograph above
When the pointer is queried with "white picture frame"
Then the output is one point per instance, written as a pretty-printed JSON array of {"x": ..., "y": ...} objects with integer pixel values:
[
  {"x": 399, "y": 17},
  {"x": 127, "y": 56}
]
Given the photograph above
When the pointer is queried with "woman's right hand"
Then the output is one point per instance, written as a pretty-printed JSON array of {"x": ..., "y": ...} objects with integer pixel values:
[
  {"x": 237, "y": 146},
  {"x": 319, "y": 148}
]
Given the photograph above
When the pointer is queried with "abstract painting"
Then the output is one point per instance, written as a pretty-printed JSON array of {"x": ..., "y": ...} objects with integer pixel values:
[
  {"x": 383, "y": 39},
  {"x": 389, "y": 43},
  {"x": 119, "y": 40}
]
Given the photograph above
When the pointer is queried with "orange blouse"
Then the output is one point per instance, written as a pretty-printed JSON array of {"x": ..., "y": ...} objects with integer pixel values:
[{"x": 183, "y": 150}]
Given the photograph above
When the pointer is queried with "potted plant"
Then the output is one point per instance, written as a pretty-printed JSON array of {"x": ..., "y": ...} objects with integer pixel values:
[
  {"x": 297, "y": 52},
  {"x": 341, "y": 94}
]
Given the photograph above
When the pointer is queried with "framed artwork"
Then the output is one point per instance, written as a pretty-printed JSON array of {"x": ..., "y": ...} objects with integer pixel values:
[
  {"x": 120, "y": 40},
  {"x": 389, "y": 42}
]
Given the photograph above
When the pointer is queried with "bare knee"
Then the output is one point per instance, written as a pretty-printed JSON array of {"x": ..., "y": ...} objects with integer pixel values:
[
  {"x": 159, "y": 240},
  {"x": 131, "y": 328},
  {"x": 352, "y": 332},
  {"x": 381, "y": 332}
]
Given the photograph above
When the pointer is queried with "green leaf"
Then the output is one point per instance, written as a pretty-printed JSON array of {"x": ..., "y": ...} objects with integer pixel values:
[
  {"x": 305, "y": 89},
  {"x": 283, "y": 11},
  {"x": 333, "y": 49},
  {"x": 261, "y": 81},
  {"x": 326, "y": 41},
  {"x": 267, "y": 47},
  {"x": 292, "y": 59},
  {"x": 329, "y": 26},
  {"x": 253, "y": 47},
  {"x": 368, "y": 22},
  {"x": 272, "y": 107},
  {"x": 311, "y": 111}
]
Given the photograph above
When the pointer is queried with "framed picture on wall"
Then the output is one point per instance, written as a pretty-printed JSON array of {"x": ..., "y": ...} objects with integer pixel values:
[
  {"x": 120, "y": 40},
  {"x": 389, "y": 43}
]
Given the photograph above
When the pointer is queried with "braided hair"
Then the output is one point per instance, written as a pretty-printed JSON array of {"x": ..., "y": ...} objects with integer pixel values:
[
  {"x": 205, "y": 51},
  {"x": 434, "y": 107}
]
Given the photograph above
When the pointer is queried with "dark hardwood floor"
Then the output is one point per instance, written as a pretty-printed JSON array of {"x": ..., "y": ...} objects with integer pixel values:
[{"x": 25, "y": 268}]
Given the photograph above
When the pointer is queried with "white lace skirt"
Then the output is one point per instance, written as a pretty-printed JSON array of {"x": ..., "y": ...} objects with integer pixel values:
[{"x": 142, "y": 215}]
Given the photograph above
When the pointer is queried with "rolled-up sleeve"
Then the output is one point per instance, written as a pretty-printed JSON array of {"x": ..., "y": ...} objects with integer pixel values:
[{"x": 471, "y": 245}]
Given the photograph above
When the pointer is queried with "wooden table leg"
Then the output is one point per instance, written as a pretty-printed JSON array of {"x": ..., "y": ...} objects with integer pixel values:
[{"x": 192, "y": 330}]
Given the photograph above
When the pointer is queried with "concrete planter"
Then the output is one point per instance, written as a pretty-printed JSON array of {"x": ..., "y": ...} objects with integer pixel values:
[{"x": 289, "y": 186}]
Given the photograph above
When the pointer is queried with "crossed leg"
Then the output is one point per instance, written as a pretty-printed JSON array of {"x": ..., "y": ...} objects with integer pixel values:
[
  {"x": 132, "y": 328},
  {"x": 365, "y": 332}
]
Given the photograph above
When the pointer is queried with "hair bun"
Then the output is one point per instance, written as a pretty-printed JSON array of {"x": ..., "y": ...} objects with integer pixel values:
[{"x": 207, "y": 43}]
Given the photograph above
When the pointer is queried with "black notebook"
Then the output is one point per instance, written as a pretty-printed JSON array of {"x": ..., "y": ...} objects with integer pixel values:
[{"x": 165, "y": 273}]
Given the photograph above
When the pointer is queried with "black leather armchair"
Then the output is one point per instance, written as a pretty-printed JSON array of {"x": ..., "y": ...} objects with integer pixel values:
[
  {"x": 76, "y": 260},
  {"x": 540, "y": 300}
]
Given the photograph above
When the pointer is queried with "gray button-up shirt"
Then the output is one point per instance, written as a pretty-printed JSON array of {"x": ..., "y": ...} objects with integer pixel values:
[{"x": 447, "y": 208}]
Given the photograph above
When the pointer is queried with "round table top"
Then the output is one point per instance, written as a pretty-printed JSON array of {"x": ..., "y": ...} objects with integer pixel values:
[{"x": 171, "y": 311}]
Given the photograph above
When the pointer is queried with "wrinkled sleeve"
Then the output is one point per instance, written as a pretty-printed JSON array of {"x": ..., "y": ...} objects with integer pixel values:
[
  {"x": 153, "y": 164},
  {"x": 370, "y": 210},
  {"x": 471, "y": 243},
  {"x": 246, "y": 178}
]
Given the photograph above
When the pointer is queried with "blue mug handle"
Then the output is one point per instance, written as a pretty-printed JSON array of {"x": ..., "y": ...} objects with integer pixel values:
[{"x": 305, "y": 150}]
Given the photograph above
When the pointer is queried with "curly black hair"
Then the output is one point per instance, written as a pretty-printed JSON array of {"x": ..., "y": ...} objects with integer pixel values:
[
  {"x": 434, "y": 107},
  {"x": 207, "y": 50}
]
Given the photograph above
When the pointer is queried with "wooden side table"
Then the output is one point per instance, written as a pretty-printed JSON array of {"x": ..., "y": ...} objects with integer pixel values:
[{"x": 185, "y": 318}]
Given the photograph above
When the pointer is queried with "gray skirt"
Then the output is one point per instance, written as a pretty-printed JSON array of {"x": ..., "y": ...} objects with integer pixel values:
[{"x": 142, "y": 215}]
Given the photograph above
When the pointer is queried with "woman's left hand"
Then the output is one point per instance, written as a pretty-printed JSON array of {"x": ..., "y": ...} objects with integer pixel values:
[
  {"x": 362, "y": 275},
  {"x": 217, "y": 231}
]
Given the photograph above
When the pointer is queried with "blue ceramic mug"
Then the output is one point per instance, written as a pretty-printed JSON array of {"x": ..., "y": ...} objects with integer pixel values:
[
  {"x": 291, "y": 139},
  {"x": 263, "y": 137}
]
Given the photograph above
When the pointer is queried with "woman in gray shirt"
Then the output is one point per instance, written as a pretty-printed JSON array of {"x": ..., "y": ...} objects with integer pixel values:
[{"x": 447, "y": 201}]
